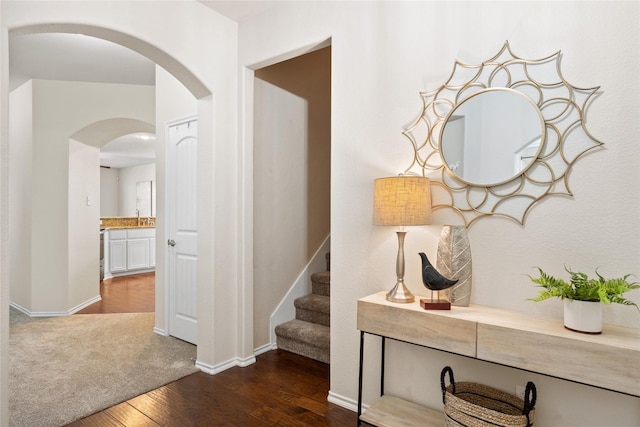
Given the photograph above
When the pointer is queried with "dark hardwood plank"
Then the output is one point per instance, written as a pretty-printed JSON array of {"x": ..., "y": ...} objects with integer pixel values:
[
  {"x": 130, "y": 416},
  {"x": 156, "y": 409},
  {"x": 101, "y": 419},
  {"x": 274, "y": 391}
]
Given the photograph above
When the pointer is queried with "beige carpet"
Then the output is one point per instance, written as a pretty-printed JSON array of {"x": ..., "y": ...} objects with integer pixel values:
[{"x": 65, "y": 368}]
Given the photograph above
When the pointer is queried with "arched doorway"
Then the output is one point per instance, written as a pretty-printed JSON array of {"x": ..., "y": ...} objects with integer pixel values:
[
  {"x": 204, "y": 69},
  {"x": 50, "y": 173}
]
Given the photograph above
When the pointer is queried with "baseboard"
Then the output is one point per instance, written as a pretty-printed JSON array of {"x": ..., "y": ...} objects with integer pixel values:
[
  {"x": 243, "y": 362},
  {"x": 128, "y": 273},
  {"x": 216, "y": 369},
  {"x": 161, "y": 332},
  {"x": 20, "y": 308},
  {"x": 85, "y": 304},
  {"x": 55, "y": 313},
  {"x": 345, "y": 402},
  {"x": 263, "y": 349}
]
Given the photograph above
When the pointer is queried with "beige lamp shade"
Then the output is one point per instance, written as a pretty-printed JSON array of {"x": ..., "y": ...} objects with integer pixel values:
[{"x": 402, "y": 200}]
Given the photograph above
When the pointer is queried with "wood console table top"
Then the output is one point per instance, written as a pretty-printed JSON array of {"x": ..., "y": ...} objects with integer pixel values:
[{"x": 610, "y": 360}]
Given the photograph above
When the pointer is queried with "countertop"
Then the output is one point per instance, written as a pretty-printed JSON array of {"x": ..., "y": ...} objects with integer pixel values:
[{"x": 121, "y": 227}]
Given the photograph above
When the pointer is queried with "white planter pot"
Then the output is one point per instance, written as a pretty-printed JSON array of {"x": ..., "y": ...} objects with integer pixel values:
[{"x": 583, "y": 316}]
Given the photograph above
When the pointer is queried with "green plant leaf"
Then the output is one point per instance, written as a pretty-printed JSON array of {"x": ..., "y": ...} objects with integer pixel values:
[{"x": 582, "y": 288}]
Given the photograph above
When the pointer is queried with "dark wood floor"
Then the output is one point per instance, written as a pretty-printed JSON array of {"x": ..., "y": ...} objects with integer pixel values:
[{"x": 280, "y": 389}]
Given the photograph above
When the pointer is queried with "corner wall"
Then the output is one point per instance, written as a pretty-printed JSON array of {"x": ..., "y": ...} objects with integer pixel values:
[
  {"x": 291, "y": 177},
  {"x": 84, "y": 224},
  {"x": 129, "y": 177},
  {"x": 109, "y": 192},
  {"x": 19, "y": 171},
  {"x": 60, "y": 109}
]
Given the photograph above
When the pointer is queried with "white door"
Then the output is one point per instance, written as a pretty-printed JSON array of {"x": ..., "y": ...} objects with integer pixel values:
[{"x": 182, "y": 235}]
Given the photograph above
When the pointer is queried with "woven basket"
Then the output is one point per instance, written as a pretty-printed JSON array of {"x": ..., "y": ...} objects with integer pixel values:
[{"x": 468, "y": 404}]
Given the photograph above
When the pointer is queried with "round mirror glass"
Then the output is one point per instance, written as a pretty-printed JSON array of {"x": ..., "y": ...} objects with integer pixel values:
[{"x": 492, "y": 137}]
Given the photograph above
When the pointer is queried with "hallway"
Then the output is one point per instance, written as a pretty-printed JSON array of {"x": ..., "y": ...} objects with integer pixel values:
[{"x": 280, "y": 389}]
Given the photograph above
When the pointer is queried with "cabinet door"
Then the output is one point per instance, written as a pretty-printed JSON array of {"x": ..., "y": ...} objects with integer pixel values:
[
  {"x": 117, "y": 256},
  {"x": 137, "y": 254},
  {"x": 152, "y": 252}
]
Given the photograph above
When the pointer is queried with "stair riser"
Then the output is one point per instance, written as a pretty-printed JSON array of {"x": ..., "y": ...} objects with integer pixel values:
[
  {"x": 313, "y": 316},
  {"x": 321, "y": 288},
  {"x": 304, "y": 349}
]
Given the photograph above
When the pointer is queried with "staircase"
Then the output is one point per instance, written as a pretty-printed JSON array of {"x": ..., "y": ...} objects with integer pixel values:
[{"x": 308, "y": 334}]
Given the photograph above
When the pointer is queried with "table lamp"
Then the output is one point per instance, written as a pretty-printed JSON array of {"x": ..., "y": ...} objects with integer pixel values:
[{"x": 402, "y": 200}]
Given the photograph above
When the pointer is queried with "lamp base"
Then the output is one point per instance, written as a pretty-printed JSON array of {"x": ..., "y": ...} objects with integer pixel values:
[
  {"x": 400, "y": 294},
  {"x": 438, "y": 304}
]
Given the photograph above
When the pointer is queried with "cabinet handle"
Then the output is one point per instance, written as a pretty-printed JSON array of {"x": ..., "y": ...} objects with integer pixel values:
[{"x": 171, "y": 242}]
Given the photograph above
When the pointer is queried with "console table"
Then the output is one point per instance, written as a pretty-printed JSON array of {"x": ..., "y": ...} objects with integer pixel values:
[{"x": 609, "y": 360}]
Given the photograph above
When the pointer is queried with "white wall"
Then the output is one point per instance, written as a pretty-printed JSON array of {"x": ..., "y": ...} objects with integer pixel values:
[
  {"x": 4, "y": 224},
  {"x": 84, "y": 223},
  {"x": 383, "y": 55},
  {"x": 109, "y": 184},
  {"x": 129, "y": 177},
  {"x": 21, "y": 132},
  {"x": 280, "y": 197},
  {"x": 118, "y": 189}
]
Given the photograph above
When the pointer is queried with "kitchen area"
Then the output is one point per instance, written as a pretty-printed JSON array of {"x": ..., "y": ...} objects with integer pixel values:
[
  {"x": 127, "y": 221},
  {"x": 127, "y": 246}
]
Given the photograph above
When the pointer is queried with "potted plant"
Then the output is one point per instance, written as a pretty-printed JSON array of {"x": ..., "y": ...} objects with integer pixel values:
[{"x": 584, "y": 297}]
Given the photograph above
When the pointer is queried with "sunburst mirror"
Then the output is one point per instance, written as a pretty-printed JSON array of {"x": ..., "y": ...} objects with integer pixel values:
[{"x": 501, "y": 135}]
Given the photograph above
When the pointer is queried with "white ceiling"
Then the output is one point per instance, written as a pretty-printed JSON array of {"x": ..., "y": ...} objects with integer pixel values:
[
  {"x": 74, "y": 57},
  {"x": 239, "y": 10}
]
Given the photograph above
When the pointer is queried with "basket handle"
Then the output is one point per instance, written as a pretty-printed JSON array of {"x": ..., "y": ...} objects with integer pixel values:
[
  {"x": 530, "y": 396},
  {"x": 445, "y": 370}
]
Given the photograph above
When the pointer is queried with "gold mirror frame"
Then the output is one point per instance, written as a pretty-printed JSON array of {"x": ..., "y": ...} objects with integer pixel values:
[{"x": 562, "y": 107}]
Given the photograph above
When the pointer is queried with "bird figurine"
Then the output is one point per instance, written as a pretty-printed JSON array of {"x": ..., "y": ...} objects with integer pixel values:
[
  {"x": 435, "y": 282},
  {"x": 431, "y": 278}
]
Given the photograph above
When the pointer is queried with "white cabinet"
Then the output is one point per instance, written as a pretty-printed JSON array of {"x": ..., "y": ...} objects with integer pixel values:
[
  {"x": 117, "y": 251},
  {"x": 118, "y": 256},
  {"x": 137, "y": 254},
  {"x": 131, "y": 251}
]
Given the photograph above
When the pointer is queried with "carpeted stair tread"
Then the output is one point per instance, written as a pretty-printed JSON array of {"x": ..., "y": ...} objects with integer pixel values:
[
  {"x": 309, "y": 334},
  {"x": 314, "y": 302},
  {"x": 317, "y": 335},
  {"x": 320, "y": 283},
  {"x": 313, "y": 308},
  {"x": 305, "y": 338}
]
